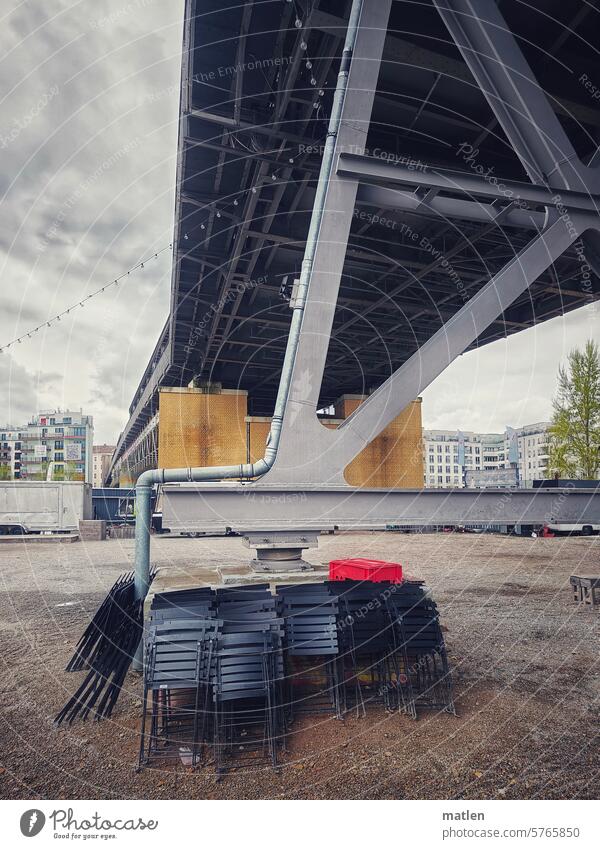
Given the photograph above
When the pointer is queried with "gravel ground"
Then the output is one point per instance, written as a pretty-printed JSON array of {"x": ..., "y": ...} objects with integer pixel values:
[{"x": 525, "y": 659}]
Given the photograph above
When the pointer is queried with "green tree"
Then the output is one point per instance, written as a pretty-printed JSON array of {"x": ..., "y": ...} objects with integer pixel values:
[
  {"x": 5, "y": 472},
  {"x": 574, "y": 443}
]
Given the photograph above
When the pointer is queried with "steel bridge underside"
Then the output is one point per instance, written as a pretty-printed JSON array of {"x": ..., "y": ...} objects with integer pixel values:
[{"x": 256, "y": 92}]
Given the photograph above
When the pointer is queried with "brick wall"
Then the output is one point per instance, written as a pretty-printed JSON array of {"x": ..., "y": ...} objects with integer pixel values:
[
  {"x": 395, "y": 457},
  {"x": 198, "y": 429}
]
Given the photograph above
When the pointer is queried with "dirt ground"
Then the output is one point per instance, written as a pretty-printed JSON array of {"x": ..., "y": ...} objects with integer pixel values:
[{"x": 525, "y": 660}]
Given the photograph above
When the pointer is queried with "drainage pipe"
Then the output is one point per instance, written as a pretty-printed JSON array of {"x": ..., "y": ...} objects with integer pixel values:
[{"x": 246, "y": 471}]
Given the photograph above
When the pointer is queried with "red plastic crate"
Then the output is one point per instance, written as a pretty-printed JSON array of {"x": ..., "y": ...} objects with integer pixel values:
[{"x": 362, "y": 569}]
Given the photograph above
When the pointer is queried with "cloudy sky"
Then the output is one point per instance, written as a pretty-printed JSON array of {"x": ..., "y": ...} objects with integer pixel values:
[{"x": 88, "y": 133}]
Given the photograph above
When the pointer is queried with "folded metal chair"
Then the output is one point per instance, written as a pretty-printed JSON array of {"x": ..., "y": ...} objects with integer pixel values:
[
  {"x": 106, "y": 650},
  {"x": 183, "y": 604},
  {"x": 310, "y": 614},
  {"x": 248, "y": 671},
  {"x": 178, "y": 670},
  {"x": 420, "y": 637},
  {"x": 372, "y": 664}
]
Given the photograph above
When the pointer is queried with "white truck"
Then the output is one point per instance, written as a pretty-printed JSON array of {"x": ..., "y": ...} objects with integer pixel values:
[{"x": 28, "y": 507}]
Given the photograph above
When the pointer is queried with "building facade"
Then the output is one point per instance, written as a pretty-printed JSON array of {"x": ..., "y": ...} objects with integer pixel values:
[
  {"x": 63, "y": 439},
  {"x": 10, "y": 453},
  {"x": 101, "y": 455},
  {"x": 453, "y": 459}
]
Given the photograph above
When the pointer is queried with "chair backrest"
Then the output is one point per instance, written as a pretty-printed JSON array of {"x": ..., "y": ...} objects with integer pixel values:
[{"x": 179, "y": 652}]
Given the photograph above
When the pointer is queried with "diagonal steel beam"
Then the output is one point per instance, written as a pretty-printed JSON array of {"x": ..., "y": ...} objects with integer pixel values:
[
  {"x": 519, "y": 102},
  {"x": 328, "y": 452}
]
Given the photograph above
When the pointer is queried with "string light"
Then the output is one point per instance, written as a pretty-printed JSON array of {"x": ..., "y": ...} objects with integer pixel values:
[{"x": 49, "y": 322}]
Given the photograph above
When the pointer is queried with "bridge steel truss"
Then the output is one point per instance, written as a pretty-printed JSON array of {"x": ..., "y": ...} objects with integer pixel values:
[{"x": 305, "y": 489}]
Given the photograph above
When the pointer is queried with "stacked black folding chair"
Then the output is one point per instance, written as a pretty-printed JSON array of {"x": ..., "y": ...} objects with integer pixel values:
[
  {"x": 371, "y": 662},
  {"x": 228, "y": 669},
  {"x": 178, "y": 669},
  {"x": 247, "y": 679},
  {"x": 106, "y": 650},
  {"x": 419, "y": 636},
  {"x": 310, "y": 614},
  {"x": 183, "y": 604}
]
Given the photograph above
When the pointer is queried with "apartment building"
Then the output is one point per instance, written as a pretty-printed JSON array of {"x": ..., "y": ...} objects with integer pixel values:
[
  {"x": 450, "y": 454},
  {"x": 10, "y": 453},
  {"x": 101, "y": 455},
  {"x": 63, "y": 439}
]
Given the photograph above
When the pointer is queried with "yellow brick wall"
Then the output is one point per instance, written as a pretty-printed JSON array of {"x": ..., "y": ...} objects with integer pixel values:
[
  {"x": 258, "y": 430},
  {"x": 395, "y": 457},
  {"x": 200, "y": 429}
]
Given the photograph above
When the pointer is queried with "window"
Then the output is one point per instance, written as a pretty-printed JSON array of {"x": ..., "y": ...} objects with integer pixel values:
[
  {"x": 439, "y": 479},
  {"x": 66, "y": 420},
  {"x": 59, "y": 430},
  {"x": 59, "y": 457},
  {"x": 79, "y": 431},
  {"x": 447, "y": 478},
  {"x": 126, "y": 507},
  {"x": 58, "y": 445},
  {"x": 52, "y": 421}
]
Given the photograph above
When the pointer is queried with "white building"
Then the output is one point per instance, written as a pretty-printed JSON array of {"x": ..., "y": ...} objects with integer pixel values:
[
  {"x": 449, "y": 454},
  {"x": 101, "y": 462},
  {"x": 62, "y": 438},
  {"x": 10, "y": 453}
]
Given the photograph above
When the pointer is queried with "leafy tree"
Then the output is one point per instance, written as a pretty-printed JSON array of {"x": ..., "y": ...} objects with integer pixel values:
[
  {"x": 5, "y": 472},
  {"x": 574, "y": 445}
]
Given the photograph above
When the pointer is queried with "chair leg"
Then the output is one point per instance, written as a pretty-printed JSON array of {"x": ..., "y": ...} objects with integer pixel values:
[{"x": 141, "y": 759}]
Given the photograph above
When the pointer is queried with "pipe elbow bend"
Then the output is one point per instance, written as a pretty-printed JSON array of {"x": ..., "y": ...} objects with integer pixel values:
[{"x": 149, "y": 477}]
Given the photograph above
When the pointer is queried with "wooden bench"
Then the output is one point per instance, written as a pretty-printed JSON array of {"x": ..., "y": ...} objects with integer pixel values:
[{"x": 586, "y": 590}]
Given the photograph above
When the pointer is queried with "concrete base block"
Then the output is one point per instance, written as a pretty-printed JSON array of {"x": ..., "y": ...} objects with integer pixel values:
[{"x": 92, "y": 530}]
